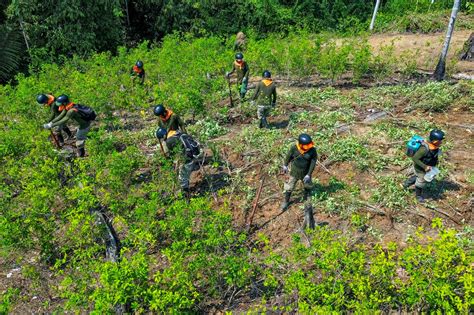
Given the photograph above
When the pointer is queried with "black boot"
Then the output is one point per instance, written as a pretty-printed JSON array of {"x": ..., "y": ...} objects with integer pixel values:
[
  {"x": 409, "y": 181},
  {"x": 264, "y": 122},
  {"x": 81, "y": 152},
  {"x": 260, "y": 124},
  {"x": 60, "y": 139},
  {"x": 68, "y": 132},
  {"x": 286, "y": 202},
  {"x": 307, "y": 193},
  {"x": 419, "y": 195},
  {"x": 308, "y": 217}
]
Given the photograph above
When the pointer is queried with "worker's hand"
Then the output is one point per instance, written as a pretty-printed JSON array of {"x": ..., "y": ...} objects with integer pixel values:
[
  {"x": 428, "y": 168},
  {"x": 48, "y": 125},
  {"x": 307, "y": 179},
  {"x": 285, "y": 169},
  {"x": 227, "y": 75}
]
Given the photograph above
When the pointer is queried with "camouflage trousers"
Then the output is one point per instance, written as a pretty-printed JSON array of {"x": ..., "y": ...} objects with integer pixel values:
[
  {"x": 185, "y": 173},
  {"x": 263, "y": 111},
  {"x": 81, "y": 137},
  {"x": 420, "y": 177},
  {"x": 290, "y": 185}
]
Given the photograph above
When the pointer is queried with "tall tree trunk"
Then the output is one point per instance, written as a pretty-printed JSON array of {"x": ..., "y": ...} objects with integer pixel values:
[
  {"x": 441, "y": 67},
  {"x": 126, "y": 10},
  {"x": 377, "y": 4},
  {"x": 24, "y": 36}
]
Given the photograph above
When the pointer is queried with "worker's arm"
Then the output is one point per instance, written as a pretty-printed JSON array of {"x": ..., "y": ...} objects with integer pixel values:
[
  {"x": 60, "y": 116},
  {"x": 418, "y": 156},
  {"x": 65, "y": 119},
  {"x": 257, "y": 92}
]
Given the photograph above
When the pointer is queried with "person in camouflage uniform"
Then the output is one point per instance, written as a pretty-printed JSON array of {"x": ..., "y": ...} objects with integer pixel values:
[
  {"x": 138, "y": 71},
  {"x": 177, "y": 143},
  {"x": 168, "y": 120},
  {"x": 265, "y": 96},
  {"x": 241, "y": 68},
  {"x": 48, "y": 100},
  {"x": 302, "y": 157},
  {"x": 240, "y": 42},
  {"x": 423, "y": 160},
  {"x": 69, "y": 112}
]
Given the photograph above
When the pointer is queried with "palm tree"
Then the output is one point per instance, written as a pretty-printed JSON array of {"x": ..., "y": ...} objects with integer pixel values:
[
  {"x": 11, "y": 49},
  {"x": 441, "y": 67}
]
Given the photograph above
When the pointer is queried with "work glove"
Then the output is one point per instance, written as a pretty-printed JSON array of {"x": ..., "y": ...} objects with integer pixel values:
[
  {"x": 48, "y": 125},
  {"x": 227, "y": 75},
  {"x": 285, "y": 169},
  {"x": 307, "y": 179},
  {"x": 244, "y": 80}
]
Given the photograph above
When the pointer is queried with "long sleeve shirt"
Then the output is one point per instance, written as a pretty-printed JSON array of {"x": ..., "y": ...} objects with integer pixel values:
[
  {"x": 70, "y": 114},
  {"x": 242, "y": 71},
  {"x": 173, "y": 123},
  {"x": 302, "y": 164},
  {"x": 424, "y": 158},
  {"x": 265, "y": 93}
]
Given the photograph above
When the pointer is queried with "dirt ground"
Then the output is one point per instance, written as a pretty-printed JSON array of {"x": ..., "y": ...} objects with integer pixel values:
[
  {"x": 427, "y": 48},
  {"x": 454, "y": 205}
]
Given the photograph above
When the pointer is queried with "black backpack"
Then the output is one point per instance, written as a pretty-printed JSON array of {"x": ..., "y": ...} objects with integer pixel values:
[
  {"x": 85, "y": 112},
  {"x": 191, "y": 146}
]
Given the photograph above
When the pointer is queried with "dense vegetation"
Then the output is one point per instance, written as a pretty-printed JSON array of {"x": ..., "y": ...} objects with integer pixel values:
[
  {"x": 109, "y": 24},
  {"x": 193, "y": 257}
]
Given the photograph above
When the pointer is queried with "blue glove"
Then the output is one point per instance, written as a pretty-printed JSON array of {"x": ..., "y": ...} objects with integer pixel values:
[
  {"x": 285, "y": 169},
  {"x": 48, "y": 125}
]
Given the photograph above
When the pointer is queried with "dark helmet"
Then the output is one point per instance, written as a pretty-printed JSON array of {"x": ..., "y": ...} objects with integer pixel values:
[
  {"x": 239, "y": 56},
  {"x": 304, "y": 139},
  {"x": 42, "y": 99},
  {"x": 266, "y": 74},
  {"x": 139, "y": 64},
  {"x": 160, "y": 133},
  {"x": 159, "y": 110},
  {"x": 62, "y": 99},
  {"x": 436, "y": 134}
]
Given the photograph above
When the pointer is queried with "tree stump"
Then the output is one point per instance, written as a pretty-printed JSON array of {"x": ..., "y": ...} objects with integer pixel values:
[{"x": 468, "y": 50}]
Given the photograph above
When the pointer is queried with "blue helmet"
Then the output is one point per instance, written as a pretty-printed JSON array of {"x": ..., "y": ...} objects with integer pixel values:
[
  {"x": 160, "y": 133},
  {"x": 42, "y": 99},
  {"x": 304, "y": 139},
  {"x": 62, "y": 99},
  {"x": 159, "y": 110},
  {"x": 139, "y": 64},
  {"x": 266, "y": 74},
  {"x": 436, "y": 135},
  {"x": 239, "y": 56}
]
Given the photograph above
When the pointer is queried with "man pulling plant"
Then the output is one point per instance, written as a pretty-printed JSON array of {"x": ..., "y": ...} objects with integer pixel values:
[
  {"x": 138, "y": 71},
  {"x": 265, "y": 95},
  {"x": 183, "y": 146},
  {"x": 81, "y": 114},
  {"x": 168, "y": 119},
  {"x": 241, "y": 68},
  {"x": 48, "y": 100},
  {"x": 425, "y": 155},
  {"x": 302, "y": 157}
]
